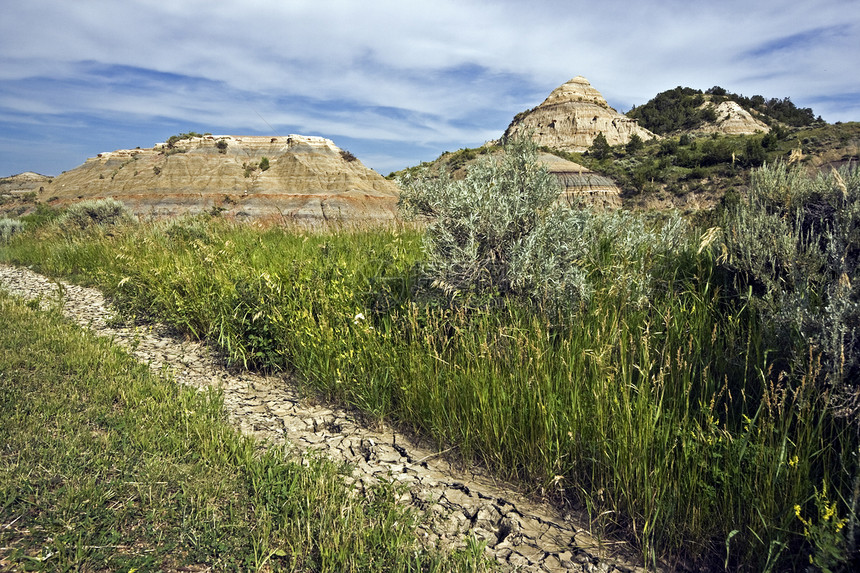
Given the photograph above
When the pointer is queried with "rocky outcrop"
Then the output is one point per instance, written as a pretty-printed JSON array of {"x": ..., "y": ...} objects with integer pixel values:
[
  {"x": 572, "y": 116},
  {"x": 578, "y": 182},
  {"x": 294, "y": 178},
  {"x": 732, "y": 119}
]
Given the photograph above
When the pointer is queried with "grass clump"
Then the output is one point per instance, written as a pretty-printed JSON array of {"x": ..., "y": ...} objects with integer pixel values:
[{"x": 105, "y": 466}]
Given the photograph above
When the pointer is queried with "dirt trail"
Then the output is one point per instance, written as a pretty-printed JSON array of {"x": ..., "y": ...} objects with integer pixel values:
[{"x": 520, "y": 534}]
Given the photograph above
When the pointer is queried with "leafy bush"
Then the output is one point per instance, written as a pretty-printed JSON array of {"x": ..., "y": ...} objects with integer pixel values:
[
  {"x": 249, "y": 168},
  {"x": 221, "y": 144},
  {"x": 794, "y": 246},
  {"x": 41, "y": 215},
  {"x": 502, "y": 231},
  {"x": 347, "y": 156},
  {"x": 635, "y": 144},
  {"x": 101, "y": 212},
  {"x": 9, "y": 227},
  {"x": 485, "y": 227},
  {"x": 187, "y": 229},
  {"x": 264, "y": 164}
]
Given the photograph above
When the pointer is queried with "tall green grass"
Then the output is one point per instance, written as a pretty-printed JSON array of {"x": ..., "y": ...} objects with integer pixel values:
[
  {"x": 661, "y": 416},
  {"x": 105, "y": 466}
]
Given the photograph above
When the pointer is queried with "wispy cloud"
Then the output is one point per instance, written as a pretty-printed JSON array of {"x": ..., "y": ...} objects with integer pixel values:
[
  {"x": 398, "y": 82},
  {"x": 797, "y": 43}
]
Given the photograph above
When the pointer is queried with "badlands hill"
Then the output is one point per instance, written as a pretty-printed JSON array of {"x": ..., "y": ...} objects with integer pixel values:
[
  {"x": 730, "y": 119},
  {"x": 572, "y": 116},
  {"x": 27, "y": 182},
  {"x": 688, "y": 110},
  {"x": 697, "y": 146},
  {"x": 296, "y": 178}
]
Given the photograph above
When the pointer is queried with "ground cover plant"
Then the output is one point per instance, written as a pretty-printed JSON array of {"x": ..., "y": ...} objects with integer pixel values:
[
  {"x": 657, "y": 398},
  {"x": 106, "y": 466}
]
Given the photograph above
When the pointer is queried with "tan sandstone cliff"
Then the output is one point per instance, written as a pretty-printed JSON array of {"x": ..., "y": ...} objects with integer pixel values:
[
  {"x": 572, "y": 116},
  {"x": 732, "y": 119},
  {"x": 307, "y": 179}
]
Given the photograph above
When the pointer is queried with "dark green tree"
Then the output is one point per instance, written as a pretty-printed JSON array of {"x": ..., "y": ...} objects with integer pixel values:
[
  {"x": 600, "y": 148},
  {"x": 754, "y": 153},
  {"x": 635, "y": 144}
]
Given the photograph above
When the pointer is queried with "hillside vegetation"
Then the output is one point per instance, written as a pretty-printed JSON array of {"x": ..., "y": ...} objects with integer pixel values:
[
  {"x": 653, "y": 374},
  {"x": 686, "y": 109},
  {"x": 687, "y": 168}
]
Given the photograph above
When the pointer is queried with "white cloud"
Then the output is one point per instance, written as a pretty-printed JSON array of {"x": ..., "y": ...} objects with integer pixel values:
[{"x": 422, "y": 72}]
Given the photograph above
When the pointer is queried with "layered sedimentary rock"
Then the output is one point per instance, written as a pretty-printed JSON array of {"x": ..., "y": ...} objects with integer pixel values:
[
  {"x": 572, "y": 116},
  {"x": 578, "y": 182},
  {"x": 297, "y": 178},
  {"x": 732, "y": 119}
]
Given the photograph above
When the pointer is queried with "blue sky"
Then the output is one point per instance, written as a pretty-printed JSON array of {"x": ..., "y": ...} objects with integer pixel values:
[{"x": 394, "y": 82}]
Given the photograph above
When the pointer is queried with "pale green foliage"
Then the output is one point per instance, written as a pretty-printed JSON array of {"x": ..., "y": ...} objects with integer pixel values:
[
  {"x": 795, "y": 244},
  {"x": 502, "y": 230},
  {"x": 9, "y": 227},
  {"x": 489, "y": 232},
  {"x": 101, "y": 212}
]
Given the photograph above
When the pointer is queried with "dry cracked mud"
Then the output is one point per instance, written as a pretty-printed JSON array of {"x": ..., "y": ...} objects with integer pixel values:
[{"x": 521, "y": 534}]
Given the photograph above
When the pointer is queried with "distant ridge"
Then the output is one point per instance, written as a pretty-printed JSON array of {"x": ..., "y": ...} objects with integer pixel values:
[{"x": 296, "y": 177}]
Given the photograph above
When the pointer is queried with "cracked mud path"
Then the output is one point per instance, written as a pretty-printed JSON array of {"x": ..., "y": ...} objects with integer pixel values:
[{"x": 520, "y": 534}]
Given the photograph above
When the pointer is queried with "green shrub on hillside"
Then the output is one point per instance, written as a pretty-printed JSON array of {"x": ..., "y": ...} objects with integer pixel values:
[
  {"x": 600, "y": 148},
  {"x": 41, "y": 215},
  {"x": 171, "y": 141},
  {"x": 9, "y": 227},
  {"x": 101, "y": 212},
  {"x": 502, "y": 231},
  {"x": 795, "y": 245}
]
